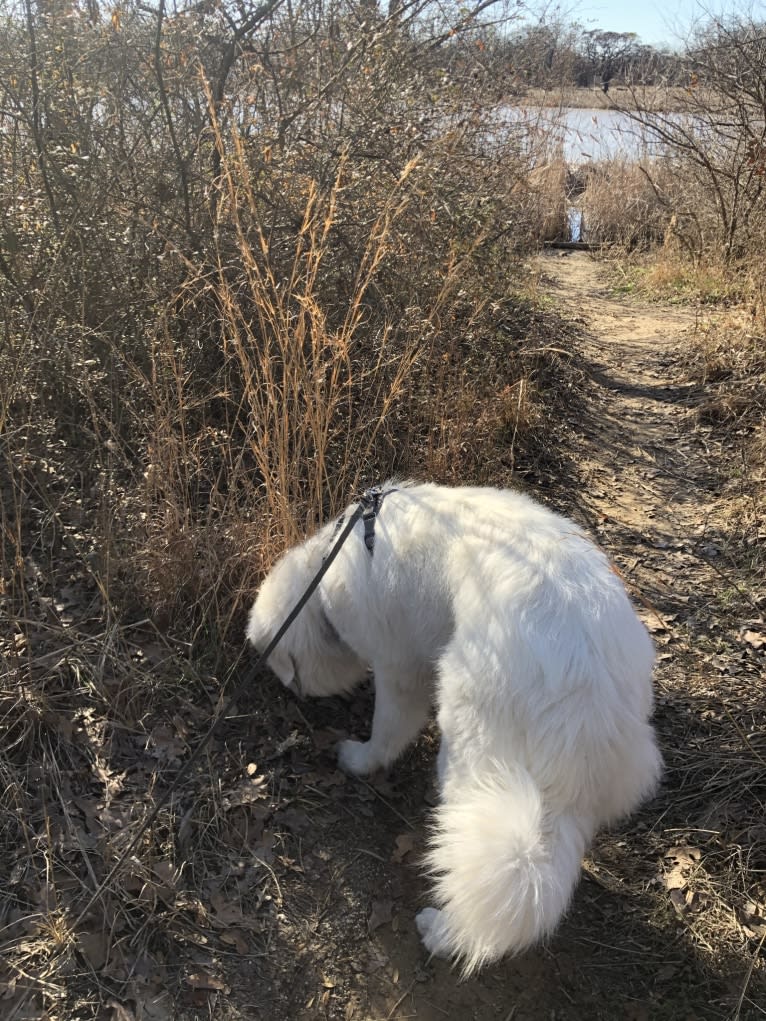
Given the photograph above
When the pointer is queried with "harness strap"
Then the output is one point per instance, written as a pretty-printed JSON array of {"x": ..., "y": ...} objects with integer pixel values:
[{"x": 370, "y": 501}]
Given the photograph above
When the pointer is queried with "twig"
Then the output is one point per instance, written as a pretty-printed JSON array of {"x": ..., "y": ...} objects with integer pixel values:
[
  {"x": 403, "y": 997},
  {"x": 743, "y": 737},
  {"x": 388, "y": 805}
]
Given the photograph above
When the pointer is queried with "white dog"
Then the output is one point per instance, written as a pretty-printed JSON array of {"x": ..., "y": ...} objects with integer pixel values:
[{"x": 511, "y": 620}]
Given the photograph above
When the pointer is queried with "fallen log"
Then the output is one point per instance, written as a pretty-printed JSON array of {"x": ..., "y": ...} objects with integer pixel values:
[{"x": 577, "y": 246}]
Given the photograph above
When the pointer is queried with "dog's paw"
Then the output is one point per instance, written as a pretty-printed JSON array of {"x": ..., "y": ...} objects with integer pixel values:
[
  {"x": 430, "y": 924},
  {"x": 354, "y": 757}
]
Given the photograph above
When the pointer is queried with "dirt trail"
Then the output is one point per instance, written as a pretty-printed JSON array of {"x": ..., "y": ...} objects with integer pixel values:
[
  {"x": 652, "y": 931},
  {"x": 648, "y": 479}
]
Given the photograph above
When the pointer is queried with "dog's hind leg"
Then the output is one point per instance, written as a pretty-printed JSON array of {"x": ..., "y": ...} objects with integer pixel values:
[{"x": 401, "y": 711}]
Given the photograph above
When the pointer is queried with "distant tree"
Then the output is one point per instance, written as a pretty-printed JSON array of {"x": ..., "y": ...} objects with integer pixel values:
[
  {"x": 609, "y": 54},
  {"x": 542, "y": 54},
  {"x": 553, "y": 53}
]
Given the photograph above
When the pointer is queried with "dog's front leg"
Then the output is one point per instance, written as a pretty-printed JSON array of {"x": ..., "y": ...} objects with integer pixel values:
[{"x": 401, "y": 711}]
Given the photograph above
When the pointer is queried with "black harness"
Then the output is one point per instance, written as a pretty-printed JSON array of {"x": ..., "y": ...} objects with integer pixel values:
[{"x": 371, "y": 500}]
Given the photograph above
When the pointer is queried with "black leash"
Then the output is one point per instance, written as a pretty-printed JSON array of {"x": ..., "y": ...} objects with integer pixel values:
[{"x": 362, "y": 507}]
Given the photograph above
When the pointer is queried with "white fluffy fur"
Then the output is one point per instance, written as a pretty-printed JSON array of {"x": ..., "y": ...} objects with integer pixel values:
[{"x": 511, "y": 620}]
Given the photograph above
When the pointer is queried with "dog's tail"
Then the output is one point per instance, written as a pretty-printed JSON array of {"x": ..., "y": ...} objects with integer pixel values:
[{"x": 504, "y": 869}]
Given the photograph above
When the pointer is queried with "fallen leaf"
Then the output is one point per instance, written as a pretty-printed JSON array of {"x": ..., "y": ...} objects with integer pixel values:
[
  {"x": 202, "y": 979},
  {"x": 752, "y": 918},
  {"x": 292, "y": 739},
  {"x": 678, "y": 900},
  {"x": 182, "y": 727},
  {"x": 61, "y": 724},
  {"x": 121, "y": 1013},
  {"x": 684, "y": 854},
  {"x": 95, "y": 948},
  {"x": 403, "y": 844},
  {"x": 153, "y": 1003},
  {"x": 235, "y": 938},
  {"x": 247, "y": 792},
  {"x": 380, "y": 914},
  {"x": 166, "y": 872},
  {"x": 678, "y": 863},
  {"x": 696, "y": 901},
  {"x": 755, "y": 639},
  {"x": 227, "y": 910},
  {"x": 163, "y": 745},
  {"x": 229, "y": 916},
  {"x": 376, "y": 960}
]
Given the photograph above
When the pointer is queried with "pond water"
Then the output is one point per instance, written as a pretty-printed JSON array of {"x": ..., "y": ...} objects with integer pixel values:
[{"x": 584, "y": 136}]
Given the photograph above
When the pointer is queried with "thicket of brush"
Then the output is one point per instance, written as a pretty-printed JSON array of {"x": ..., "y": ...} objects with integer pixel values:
[
  {"x": 233, "y": 247},
  {"x": 250, "y": 260}
]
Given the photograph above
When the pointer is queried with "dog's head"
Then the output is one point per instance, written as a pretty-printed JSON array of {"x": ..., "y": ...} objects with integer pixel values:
[{"x": 311, "y": 658}]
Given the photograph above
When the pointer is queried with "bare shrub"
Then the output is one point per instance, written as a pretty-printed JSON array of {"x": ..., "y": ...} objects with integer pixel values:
[
  {"x": 246, "y": 191},
  {"x": 715, "y": 140}
]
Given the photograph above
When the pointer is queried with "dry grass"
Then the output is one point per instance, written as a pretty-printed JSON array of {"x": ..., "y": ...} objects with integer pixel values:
[
  {"x": 621, "y": 206},
  {"x": 729, "y": 360},
  {"x": 714, "y": 703},
  {"x": 652, "y": 97},
  {"x": 726, "y": 357},
  {"x": 666, "y": 273},
  {"x": 543, "y": 208}
]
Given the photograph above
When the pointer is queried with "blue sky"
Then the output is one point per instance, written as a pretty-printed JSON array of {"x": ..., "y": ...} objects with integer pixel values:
[{"x": 657, "y": 22}]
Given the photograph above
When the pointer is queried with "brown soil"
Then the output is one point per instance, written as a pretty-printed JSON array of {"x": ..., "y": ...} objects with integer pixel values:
[{"x": 665, "y": 923}]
